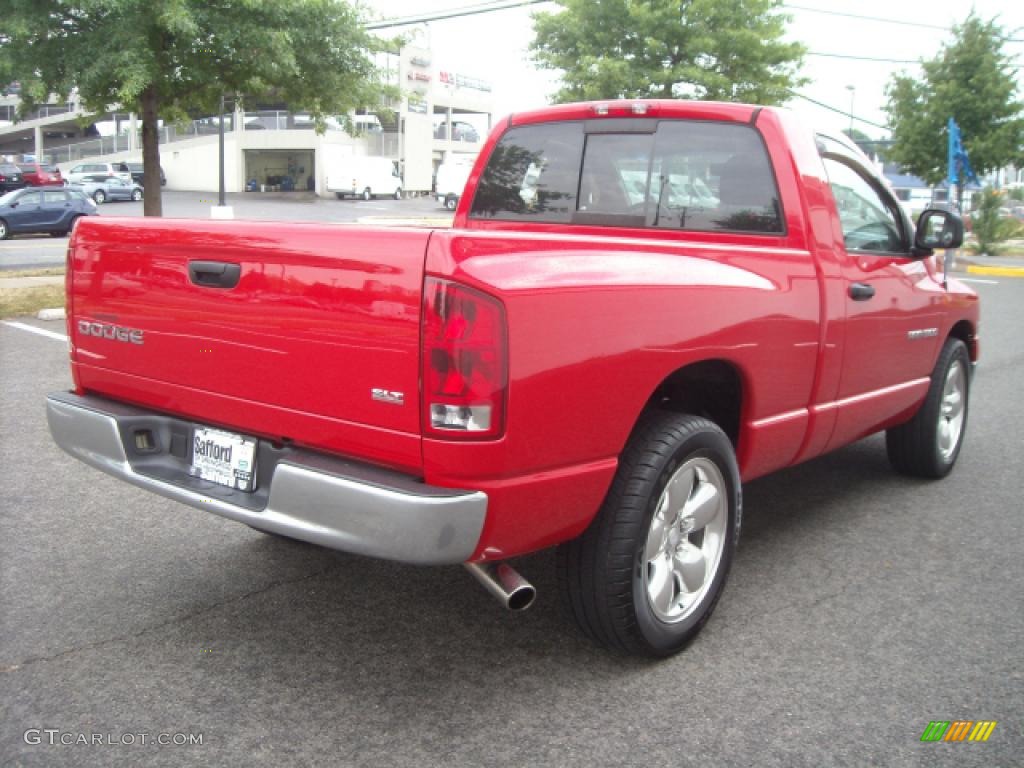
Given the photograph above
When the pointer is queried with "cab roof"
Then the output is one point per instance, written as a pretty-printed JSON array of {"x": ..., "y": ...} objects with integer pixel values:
[{"x": 640, "y": 108}]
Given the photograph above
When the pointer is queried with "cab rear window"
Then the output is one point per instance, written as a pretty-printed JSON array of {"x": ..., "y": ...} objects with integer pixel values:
[{"x": 672, "y": 174}]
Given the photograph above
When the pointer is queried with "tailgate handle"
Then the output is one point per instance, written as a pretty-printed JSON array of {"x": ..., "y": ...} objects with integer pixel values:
[
  {"x": 214, "y": 274},
  {"x": 861, "y": 291}
]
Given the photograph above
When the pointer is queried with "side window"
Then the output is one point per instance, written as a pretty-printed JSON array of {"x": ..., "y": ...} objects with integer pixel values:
[
  {"x": 532, "y": 175},
  {"x": 55, "y": 196},
  {"x": 869, "y": 222},
  {"x": 30, "y": 198}
]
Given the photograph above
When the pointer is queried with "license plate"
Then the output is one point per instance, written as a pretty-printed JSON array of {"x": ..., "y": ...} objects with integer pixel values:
[{"x": 224, "y": 458}]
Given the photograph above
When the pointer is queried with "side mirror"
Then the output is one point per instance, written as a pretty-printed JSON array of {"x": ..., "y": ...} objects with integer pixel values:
[{"x": 937, "y": 229}]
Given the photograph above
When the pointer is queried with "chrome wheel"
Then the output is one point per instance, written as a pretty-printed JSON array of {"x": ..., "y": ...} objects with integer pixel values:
[
  {"x": 929, "y": 443},
  {"x": 951, "y": 410},
  {"x": 685, "y": 539}
]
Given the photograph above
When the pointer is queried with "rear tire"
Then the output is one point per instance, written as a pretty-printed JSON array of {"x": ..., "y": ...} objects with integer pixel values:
[
  {"x": 928, "y": 445},
  {"x": 398, "y": 194},
  {"x": 4, "y": 231},
  {"x": 99, "y": 196},
  {"x": 136, "y": 195},
  {"x": 644, "y": 578},
  {"x": 367, "y": 194},
  {"x": 339, "y": 195},
  {"x": 451, "y": 202}
]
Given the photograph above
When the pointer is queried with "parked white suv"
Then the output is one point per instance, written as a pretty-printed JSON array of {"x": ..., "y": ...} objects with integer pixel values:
[{"x": 82, "y": 170}]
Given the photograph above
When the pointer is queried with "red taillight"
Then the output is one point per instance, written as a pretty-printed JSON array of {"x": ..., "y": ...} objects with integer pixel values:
[{"x": 465, "y": 362}]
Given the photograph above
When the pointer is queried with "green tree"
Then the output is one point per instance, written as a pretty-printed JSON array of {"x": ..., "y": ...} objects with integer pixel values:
[
  {"x": 971, "y": 80},
  {"x": 169, "y": 59},
  {"x": 726, "y": 50}
]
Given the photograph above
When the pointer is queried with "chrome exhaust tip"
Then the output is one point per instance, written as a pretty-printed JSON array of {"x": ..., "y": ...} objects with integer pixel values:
[{"x": 505, "y": 583}]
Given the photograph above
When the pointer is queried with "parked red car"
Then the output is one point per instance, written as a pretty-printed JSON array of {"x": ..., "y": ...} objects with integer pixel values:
[{"x": 41, "y": 175}]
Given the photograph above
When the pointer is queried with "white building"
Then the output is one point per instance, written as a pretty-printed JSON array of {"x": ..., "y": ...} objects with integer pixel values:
[{"x": 440, "y": 112}]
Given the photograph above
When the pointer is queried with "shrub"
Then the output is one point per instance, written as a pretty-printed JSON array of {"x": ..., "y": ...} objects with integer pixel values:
[{"x": 988, "y": 228}]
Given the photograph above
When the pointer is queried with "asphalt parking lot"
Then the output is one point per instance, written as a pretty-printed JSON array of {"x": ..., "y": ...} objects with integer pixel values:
[
  {"x": 862, "y": 606},
  {"x": 37, "y": 251}
]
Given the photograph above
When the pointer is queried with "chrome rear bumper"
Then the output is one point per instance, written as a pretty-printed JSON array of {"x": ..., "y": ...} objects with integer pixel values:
[{"x": 309, "y": 496}]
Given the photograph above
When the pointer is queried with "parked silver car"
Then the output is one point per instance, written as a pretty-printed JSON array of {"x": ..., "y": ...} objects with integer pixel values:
[
  {"x": 104, "y": 188},
  {"x": 87, "y": 170}
]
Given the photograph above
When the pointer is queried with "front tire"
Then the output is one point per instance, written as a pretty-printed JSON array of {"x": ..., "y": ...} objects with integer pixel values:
[
  {"x": 367, "y": 194},
  {"x": 398, "y": 194},
  {"x": 644, "y": 578},
  {"x": 451, "y": 202},
  {"x": 5, "y": 232},
  {"x": 928, "y": 445},
  {"x": 99, "y": 196},
  {"x": 136, "y": 195}
]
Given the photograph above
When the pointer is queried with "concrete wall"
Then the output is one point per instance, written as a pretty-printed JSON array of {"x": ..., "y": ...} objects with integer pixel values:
[
  {"x": 192, "y": 164},
  {"x": 418, "y": 171}
]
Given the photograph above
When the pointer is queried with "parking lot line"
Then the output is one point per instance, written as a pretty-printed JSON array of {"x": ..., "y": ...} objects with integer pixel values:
[
  {"x": 49, "y": 244},
  {"x": 33, "y": 329},
  {"x": 977, "y": 280}
]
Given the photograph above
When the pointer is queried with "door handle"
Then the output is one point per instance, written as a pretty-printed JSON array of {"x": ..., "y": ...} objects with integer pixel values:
[
  {"x": 214, "y": 274},
  {"x": 861, "y": 291}
]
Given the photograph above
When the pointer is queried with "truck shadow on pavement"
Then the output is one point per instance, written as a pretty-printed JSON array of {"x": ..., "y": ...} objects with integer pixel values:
[{"x": 420, "y": 621}]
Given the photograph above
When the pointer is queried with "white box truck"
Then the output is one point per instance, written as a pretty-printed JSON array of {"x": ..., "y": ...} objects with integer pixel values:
[
  {"x": 452, "y": 176},
  {"x": 365, "y": 177}
]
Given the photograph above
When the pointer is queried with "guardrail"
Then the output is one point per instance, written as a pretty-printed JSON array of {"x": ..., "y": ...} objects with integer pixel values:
[{"x": 385, "y": 144}]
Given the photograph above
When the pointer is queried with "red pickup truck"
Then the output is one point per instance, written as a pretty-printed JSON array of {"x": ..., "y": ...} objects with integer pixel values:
[{"x": 640, "y": 306}]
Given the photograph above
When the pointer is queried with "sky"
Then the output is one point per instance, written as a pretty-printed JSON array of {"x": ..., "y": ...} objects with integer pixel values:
[{"x": 494, "y": 47}]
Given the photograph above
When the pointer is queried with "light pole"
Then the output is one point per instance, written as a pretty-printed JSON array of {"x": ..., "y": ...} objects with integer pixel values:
[
  {"x": 853, "y": 92},
  {"x": 222, "y": 210}
]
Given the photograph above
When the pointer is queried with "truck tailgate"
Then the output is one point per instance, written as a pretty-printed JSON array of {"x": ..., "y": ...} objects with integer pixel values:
[{"x": 316, "y": 341}]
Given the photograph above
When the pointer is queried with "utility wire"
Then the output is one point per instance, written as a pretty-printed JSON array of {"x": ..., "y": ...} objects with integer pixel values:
[
  {"x": 842, "y": 112},
  {"x": 882, "y": 20},
  {"x": 883, "y": 60},
  {"x": 862, "y": 58},
  {"x": 498, "y": 5},
  {"x": 864, "y": 18},
  {"x": 452, "y": 13}
]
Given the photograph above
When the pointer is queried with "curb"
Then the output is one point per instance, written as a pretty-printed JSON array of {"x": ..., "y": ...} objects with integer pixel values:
[
  {"x": 996, "y": 271},
  {"x": 30, "y": 282},
  {"x": 433, "y": 222}
]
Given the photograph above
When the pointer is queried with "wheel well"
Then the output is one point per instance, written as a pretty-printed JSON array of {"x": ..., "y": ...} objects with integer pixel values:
[
  {"x": 712, "y": 389},
  {"x": 965, "y": 333}
]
